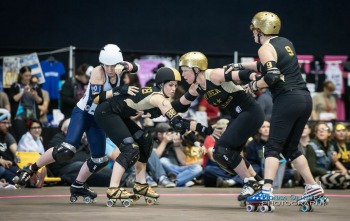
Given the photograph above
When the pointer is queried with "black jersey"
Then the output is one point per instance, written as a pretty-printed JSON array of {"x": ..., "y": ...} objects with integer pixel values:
[
  {"x": 227, "y": 95},
  {"x": 287, "y": 63},
  {"x": 127, "y": 105}
]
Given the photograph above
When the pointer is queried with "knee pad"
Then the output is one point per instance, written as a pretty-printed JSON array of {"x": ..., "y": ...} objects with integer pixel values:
[
  {"x": 96, "y": 164},
  {"x": 227, "y": 159},
  {"x": 272, "y": 149},
  {"x": 129, "y": 153},
  {"x": 63, "y": 152},
  {"x": 145, "y": 142}
]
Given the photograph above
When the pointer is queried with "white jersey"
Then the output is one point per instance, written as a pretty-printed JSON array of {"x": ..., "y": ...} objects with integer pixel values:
[{"x": 86, "y": 102}]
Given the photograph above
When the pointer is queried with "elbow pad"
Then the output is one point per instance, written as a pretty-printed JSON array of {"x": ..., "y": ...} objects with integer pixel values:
[
  {"x": 179, "y": 107},
  {"x": 272, "y": 75},
  {"x": 99, "y": 98}
]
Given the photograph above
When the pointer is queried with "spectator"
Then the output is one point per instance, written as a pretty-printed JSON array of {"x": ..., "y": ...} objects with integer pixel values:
[
  {"x": 342, "y": 147},
  {"x": 168, "y": 147},
  {"x": 324, "y": 103},
  {"x": 24, "y": 102},
  {"x": 8, "y": 165},
  {"x": 34, "y": 83},
  {"x": 265, "y": 101},
  {"x": 4, "y": 101},
  {"x": 31, "y": 141},
  {"x": 74, "y": 88},
  {"x": 323, "y": 160},
  {"x": 212, "y": 171}
]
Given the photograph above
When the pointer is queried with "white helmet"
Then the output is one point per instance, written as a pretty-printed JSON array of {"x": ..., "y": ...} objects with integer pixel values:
[{"x": 110, "y": 55}]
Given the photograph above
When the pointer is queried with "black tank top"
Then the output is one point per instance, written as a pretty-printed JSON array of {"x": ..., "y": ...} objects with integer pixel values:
[
  {"x": 227, "y": 96},
  {"x": 287, "y": 63},
  {"x": 127, "y": 106}
]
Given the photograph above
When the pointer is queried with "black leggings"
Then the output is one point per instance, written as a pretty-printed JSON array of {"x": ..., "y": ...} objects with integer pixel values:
[
  {"x": 239, "y": 129},
  {"x": 290, "y": 114},
  {"x": 115, "y": 127}
]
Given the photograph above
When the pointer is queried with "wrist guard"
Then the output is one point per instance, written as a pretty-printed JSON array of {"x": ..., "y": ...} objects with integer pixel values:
[
  {"x": 234, "y": 67},
  {"x": 120, "y": 90},
  {"x": 205, "y": 130},
  {"x": 244, "y": 75},
  {"x": 129, "y": 66},
  {"x": 253, "y": 86},
  {"x": 179, "y": 124}
]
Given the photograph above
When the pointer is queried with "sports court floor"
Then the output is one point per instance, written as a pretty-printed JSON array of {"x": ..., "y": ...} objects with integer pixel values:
[{"x": 195, "y": 203}]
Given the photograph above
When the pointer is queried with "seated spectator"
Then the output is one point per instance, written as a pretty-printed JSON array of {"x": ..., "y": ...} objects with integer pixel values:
[
  {"x": 213, "y": 174},
  {"x": 168, "y": 147},
  {"x": 31, "y": 141},
  {"x": 265, "y": 101},
  {"x": 4, "y": 101},
  {"x": 323, "y": 161},
  {"x": 68, "y": 171},
  {"x": 255, "y": 156},
  {"x": 324, "y": 105},
  {"x": 8, "y": 165},
  {"x": 342, "y": 147}
]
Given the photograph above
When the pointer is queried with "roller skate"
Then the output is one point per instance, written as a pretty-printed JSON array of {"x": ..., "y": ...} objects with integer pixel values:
[
  {"x": 260, "y": 201},
  {"x": 250, "y": 187},
  {"x": 313, "y": 195},
  {"x": 23, "y": 176},
  {"x": 116, "y": 193},
  {"x": 82, "y": 190},
  {"x": 145, "y": 190}
]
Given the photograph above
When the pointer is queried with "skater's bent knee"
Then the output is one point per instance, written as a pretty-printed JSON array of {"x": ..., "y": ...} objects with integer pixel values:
[
  {"x": 96, "y": 164},
  {"x": 63, "y": 152}
]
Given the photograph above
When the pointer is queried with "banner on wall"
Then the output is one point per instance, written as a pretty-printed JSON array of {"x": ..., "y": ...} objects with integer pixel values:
[
  {"x": 148, "y": 63},
  {"x": 12, "y": 64}
]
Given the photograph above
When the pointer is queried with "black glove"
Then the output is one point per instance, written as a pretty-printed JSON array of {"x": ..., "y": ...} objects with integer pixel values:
[
  {"x": 179, "y": 124},
  {"x": 120, "y": 90},
  {"x": 129, "y": 66},
  {"x": 191, "y": 136},
  {"x": 253, "y": 86},
  {"x": 205, "y": 130},
  {"x": 234, "y": 67}
]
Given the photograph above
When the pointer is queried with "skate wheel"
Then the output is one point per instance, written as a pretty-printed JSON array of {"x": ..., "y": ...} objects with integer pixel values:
[
  {"x": 110, "y": 203},
  {"x": 126, "y": 203},
  {"x": 242, "y": 203},
  {"x": 272, "y": 208},
  {"x": 150, "y": 201},
  {"x": 264, "y": 209},
  {"x": 311, "y": 208},
  {"x": 73, "y": 199},
  {"x": 87, "y": 200},
  {"x": 305, "y": 208},
  {"x": 250, "y": 208}
]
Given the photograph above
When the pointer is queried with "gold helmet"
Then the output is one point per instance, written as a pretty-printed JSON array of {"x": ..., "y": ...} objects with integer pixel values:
[
  {"x": 194, "y": 59},
  {"x": 266, "y": 22}
]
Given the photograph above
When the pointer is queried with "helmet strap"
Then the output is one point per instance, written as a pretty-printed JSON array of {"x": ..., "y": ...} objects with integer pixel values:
[
  {"x": 259, "y": 37},
  {"x": 195, "y": 75},
  {"x": 161, "y": 86}
]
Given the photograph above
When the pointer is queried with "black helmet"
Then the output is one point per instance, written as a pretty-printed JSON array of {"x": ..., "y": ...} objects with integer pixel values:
[{"x": 165, "y": 74}]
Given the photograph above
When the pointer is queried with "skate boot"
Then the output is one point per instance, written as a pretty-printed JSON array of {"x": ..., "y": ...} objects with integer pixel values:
[
  {"x": 82, "y": 190},
  {"x": 145, "y": 190},
  {"x": 261, "y": 200},
  {"x": 116, "y": 193},
  {"x": 313, "y": 195},
  {"x": 23, "y": 176},
  {"x": 250, "y": 187}
]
